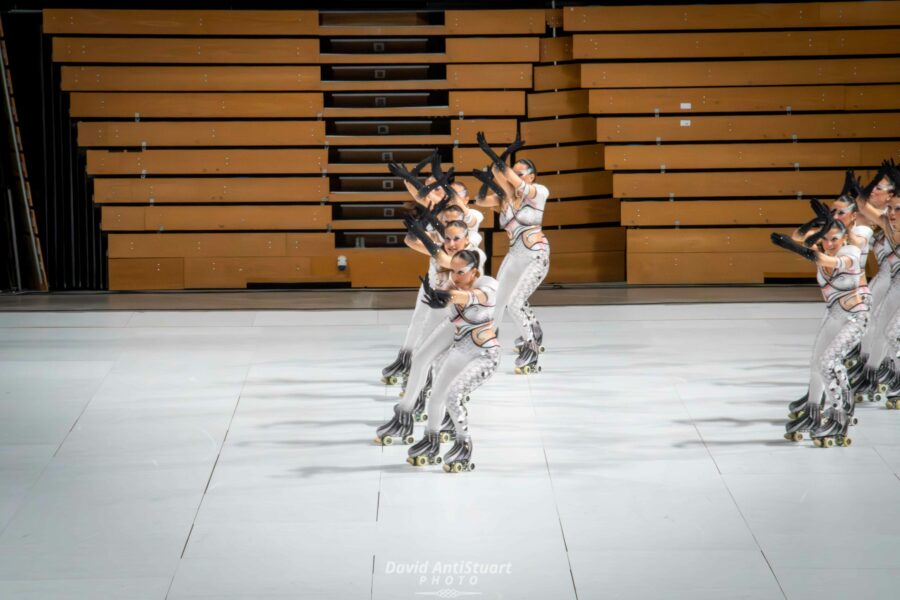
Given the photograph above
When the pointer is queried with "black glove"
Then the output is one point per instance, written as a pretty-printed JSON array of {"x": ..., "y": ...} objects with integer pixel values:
[
  {"x": 486, "y": 148},
  {"x": 488, "y": 183},
  {"x": 441, "y": 182},
  {"x": 416, "y": 230},
  {"x": 400, "y": 171},
  {"x": 514, "y": 147},
  {"x": 825, "y": 221},
  {"x": 431, "y": 216},
  {"x": 421, "y": 164},
  {"x": 434, "y": 298},
  {"x": 784, "y": 241}
]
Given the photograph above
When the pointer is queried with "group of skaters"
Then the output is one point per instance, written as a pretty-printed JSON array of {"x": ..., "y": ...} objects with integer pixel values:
[
  {"x": 856, "y": 356},
  {"x": 451, "y": 345}
]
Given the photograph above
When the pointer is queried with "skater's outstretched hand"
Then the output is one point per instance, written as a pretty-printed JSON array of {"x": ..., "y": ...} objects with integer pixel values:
[
  {"x": 784, "y": 241},
  {"x": 488, "y": 183},
  {"x": 415, "y": 229},
  {"x": 432, "y": 297},
  {"x": 498, "y": 162}
]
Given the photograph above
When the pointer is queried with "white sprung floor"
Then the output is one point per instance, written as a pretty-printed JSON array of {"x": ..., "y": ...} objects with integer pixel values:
[{"x": 151, "y": 455}]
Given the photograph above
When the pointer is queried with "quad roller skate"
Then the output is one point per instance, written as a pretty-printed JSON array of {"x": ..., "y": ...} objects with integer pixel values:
[
  {"x": 426, "y": 451},
  {"x": 808, "y": 420},
  {"x": 527, "y": 362},
  {"x": 397, "y": 370},
  {"x": 863, "y": 389},
  {"x": 832, "y": 430},
  {"x": 448, "y": 430},
  {"x": 398, "y": 429},
  {"x": 538, "y": 338},
  {"x": 460, "y": 457},
  {"x": 853, "y": 358},
  {"x": 419, "y": 414},
  {"x": 889, "y": 392},
  {"x": 797, "y": 408}
]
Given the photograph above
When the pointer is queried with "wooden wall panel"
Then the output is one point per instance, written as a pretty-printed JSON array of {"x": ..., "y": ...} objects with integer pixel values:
[
  {"x": 565, "y": 158},
  {"x": 744, "y": 73},
  {"x": 494, "y": 22},
  {"x": 572, "y": 185},
  {"x": 218, "y": 190},
  {"x": 205, "y": 218},
  {"x": 181, "y": 22},
  {"x": 146, "y": 274},
  {"x": 782, "y": 155},
  {"x": 558, "y": 131},
  {"x": 579, "y": 212},
  {"x": 736, "y": 16},
  {"x": 743, "y": 99},
  {"x": 714, "y": 212},
  {"x": 749, "y": 127},
  {"x": 552, "y": 104},
  {"x": 190, "y": 79},
  {"x": 238, "y": 272},
  {"x": 206, "y": 162},
  {"x": 610, "y": 46},
  {"x": 730, "y": 184},
  {"x": 185, "y": 50},
  {"x": 95, "y": 134},
  {"x": 557, "y": 77},
  {"x": 195, "y": 105},
  {"x": 494, "y": 50}
]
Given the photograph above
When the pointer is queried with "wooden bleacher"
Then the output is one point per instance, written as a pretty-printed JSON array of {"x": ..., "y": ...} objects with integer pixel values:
[
  {"x": 232, "y": 148},
  {"x": 235, "y": 148},
  {"x": 721, "y": 121}
]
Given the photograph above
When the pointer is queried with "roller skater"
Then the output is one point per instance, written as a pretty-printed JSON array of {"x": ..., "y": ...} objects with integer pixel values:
[
  {"x": 872, "y": 365},
  {"x": 839, "y": 274},
  {"x": 521, "y": 209},
  {"x": 398, "y": 369},
  {"x": 470, "y": 360}
]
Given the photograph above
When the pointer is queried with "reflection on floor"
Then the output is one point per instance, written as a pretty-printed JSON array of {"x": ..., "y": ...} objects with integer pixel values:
[{"x": 151, "y": 455}]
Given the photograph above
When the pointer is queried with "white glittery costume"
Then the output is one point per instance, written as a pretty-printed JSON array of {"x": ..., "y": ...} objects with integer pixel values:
[
  {"x": 437, "y": 338},
  {"x": 526, "y": 263},
  {"x": 885, "y": 291},
  {"x": 471, "y": 360},
  {"x": 842, "y": 327}
]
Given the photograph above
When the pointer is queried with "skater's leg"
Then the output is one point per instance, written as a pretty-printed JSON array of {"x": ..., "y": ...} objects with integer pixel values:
[{"x": 426, "y": 354}]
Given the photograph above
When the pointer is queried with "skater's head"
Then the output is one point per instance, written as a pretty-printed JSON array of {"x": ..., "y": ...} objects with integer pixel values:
[
  {"x": 437, "y": 194},
  {"x": 834, "y": 239},
  {"x": 464, "y": 269},
  {"x": 456, "y": 237},
  {"x": 452, "y": 213},
  {"x": 893, "y": 212},
  {"x": 460, "y": 194},
  {"x": 881, "y": 189},
  {"x": 844, "y": 210},
  {"x": 525, "y": 169}
]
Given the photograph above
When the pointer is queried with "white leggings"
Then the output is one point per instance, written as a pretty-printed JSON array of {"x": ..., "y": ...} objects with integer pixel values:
[
  {"x": 427, "y": 354},
  {"x": 839, "y": 334},
  {"x": 520, "y": 273},
  {"x": 876, "y": 342},
  {"x": 465, "y": 367}
]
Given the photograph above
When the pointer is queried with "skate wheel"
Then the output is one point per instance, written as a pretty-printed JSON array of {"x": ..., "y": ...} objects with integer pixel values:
[
  {"x": 891, "y": 404},
  {"x": 538, "y": 369},
  {"x": 794, "y": 415},
  {"x": 446, "y": 468},
  {"x": 409, "y": 439},
  {"x": 456, "y": 468},
  {"x": 445, "y": 437},
  {"x": 880, "y": 397},
  {"x": 471, "y": 466},
  {"x": 392, "y": 380},
  {"x": 828, "y": 442},
  {"x": 420, "y": 461},
  {"x": 795, "y": 436},
  {"x": 542, "y": 350},
  {"x": 847, "y": 442},
  {"x": 859, "y": 398},
  {"x": 526, "y": 370},
  {"x": 466, "y": 400},
  {"x": 850, "y": 363},
  {"x": 817, "y": 442},
  {"x": 854, "y": 421},
  {"x": 438, "y": 460},
  {"x": 387, "y": 440},
  {"x": 424, "y": 417},
  {"x": 882, "y": 388},
  {"x": 402, "y": 393}
]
